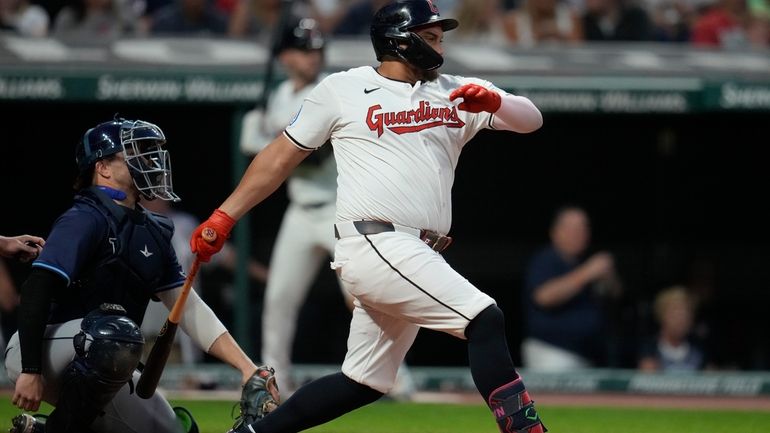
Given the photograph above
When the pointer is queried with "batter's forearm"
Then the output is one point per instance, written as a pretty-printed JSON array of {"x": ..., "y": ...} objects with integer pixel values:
[
  {"x": 518, "y": 114},
  {"x": 267, "y": 171}
]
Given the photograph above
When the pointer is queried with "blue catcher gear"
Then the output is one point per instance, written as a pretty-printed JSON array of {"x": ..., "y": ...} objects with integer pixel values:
[
  {"x": 108, "y": 350},
  {"x": 393, "y": 27},
  {"x": 142, "y": 146}
]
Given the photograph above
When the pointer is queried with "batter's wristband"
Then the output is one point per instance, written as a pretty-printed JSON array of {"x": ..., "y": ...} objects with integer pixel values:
[
  {"x": 32, "y": 370},
  {"x": 221, "y": 217}
]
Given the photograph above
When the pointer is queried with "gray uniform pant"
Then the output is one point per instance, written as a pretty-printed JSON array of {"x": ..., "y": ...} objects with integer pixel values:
[{"x": 126, "y": 413}]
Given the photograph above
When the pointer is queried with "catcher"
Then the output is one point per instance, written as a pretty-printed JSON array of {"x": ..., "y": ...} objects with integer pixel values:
[{"x": 79, "y": 342}]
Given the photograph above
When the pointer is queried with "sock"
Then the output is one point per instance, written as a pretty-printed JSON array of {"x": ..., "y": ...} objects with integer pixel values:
[
  {"x": 318, "y": 402},
  {"x": 488, "y": 355}
]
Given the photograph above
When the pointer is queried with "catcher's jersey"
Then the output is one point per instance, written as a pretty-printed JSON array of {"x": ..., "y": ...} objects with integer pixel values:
[
  {"x": 396, "y": 144},
  {"x": 309, "y": 183}
]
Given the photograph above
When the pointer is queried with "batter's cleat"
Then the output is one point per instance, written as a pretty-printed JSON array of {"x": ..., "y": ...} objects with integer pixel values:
[
  {"x": 26, "y": 423},
  {"x": 514, "y": 409}
]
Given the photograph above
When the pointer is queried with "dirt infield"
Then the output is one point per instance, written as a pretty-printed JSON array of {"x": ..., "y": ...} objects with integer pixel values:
[{"x": 618, "y": 400}]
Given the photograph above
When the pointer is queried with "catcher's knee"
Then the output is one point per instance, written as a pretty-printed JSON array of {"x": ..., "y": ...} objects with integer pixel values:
[
  {"x": 109, "y": 344},
  {"x": 108, "y": 349}
]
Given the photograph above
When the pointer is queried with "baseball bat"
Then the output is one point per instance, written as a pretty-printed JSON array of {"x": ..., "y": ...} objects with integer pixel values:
[
  {"x": 156, "y": 360},
  {"x": 275, "y": 40}
]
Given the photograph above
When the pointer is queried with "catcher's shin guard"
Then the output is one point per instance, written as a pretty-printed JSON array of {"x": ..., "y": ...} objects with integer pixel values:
[
  {"x": 514, "y": 410},
  {"x": 259, "y": 397}
]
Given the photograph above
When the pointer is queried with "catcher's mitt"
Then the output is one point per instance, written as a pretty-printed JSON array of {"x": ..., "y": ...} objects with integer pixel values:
[{"x": 259, "y": 396}]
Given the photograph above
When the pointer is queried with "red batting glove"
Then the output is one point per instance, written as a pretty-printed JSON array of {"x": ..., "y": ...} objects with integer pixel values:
[
  {"x": 476, "y": 98},
  {"x": 220, "y": 224}
]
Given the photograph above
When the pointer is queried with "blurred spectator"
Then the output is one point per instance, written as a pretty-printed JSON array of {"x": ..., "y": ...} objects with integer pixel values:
[
  {"x": 149, "y": 8},
  {"x": 358, "y": 18},
  {"x": 674, "y": 347},
  {"x": 539, "y": 21},
  {"x": 482, "y": 21},
  {"x": 330, "y": 13},
  {"x": 731, "y": 24},
  {"x": 672, "y": 19},
  {"x": 758, "y": 28},
  {"x": 189, "y": 17},
  {"x": 23, "y": 18},
  {"x": 88, "y": 19},
  {"x": 260, "y": 17},
  {"x": 616, "y": 20},
  {"x": 564, "y": 294},
  {"x": 156, "y": 313}
]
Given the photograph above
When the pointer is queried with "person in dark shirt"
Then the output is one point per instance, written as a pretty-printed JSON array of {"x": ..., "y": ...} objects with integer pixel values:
[
  {"x": 616, "y": 20},
  {"x": 79, "y": 339},
  {"x": 188, "y": 17},
  {"x": 564, "y": 316}
]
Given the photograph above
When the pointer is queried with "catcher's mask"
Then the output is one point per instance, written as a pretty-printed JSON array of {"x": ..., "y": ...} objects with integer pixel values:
[
  {"x": 142, "y": 146},
  {"x": 394, "y": 24}
]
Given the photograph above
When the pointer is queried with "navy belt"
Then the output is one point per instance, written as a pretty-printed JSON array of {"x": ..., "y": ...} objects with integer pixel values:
[{"x": 434, "y": 240}]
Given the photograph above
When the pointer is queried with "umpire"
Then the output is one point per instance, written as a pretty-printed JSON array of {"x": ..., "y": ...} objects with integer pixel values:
[{"x": 79, "y": 342}]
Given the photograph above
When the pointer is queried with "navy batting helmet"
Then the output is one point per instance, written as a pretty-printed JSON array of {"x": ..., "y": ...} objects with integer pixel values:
[
  {"x": 301, "y": 34},
  {"x": 393, "y": 25}
]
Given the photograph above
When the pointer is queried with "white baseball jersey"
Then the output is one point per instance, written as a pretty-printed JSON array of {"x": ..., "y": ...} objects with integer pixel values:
[
  {"x": 396, "y": 145},
  {"x": 308, "y": 184}
]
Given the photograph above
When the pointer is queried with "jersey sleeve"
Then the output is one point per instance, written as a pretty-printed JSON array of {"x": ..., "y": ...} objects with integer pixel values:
[
  {"x": 316, "y": 118},
  {"x": 74, "y": 238}
]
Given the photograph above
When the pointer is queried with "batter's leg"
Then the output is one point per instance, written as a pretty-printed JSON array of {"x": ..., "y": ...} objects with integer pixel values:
[
  {"x": 495, "y": 375},
  {"x": 315, "y": 403},
  {"x": 294, "y": 264}
]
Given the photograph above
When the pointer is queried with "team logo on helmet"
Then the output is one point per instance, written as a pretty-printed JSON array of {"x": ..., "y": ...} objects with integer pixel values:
[{"x": 433, "y": 7}]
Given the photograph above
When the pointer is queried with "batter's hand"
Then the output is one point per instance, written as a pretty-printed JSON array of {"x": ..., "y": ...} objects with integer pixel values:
[
  {"x": 220, "y": 223},
  {"x": 28, "y": 391},
  {"x": 476, "y": 98}
]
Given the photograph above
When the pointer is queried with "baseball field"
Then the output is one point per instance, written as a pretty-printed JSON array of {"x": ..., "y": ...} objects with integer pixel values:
[{"x": 569, "y": 416}]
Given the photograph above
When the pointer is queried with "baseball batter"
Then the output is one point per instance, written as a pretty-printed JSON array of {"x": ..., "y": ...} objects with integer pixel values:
[
  {"x": 306, "y": 237},
  {"x": 79, "y": 340},
  {"x": 397, "y": 131}
]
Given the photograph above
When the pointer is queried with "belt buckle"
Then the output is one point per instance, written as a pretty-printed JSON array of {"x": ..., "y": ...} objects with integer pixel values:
[{"x": 435, "y": 241}]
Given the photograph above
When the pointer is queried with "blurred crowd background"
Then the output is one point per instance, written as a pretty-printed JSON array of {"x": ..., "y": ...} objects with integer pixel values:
[
  {"x": 721, "y": 23},
  {"x": 663, "y": 250}
]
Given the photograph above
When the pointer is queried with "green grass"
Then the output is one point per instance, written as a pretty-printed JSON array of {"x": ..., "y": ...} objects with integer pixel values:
[{"x": 393, "y": 417}]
